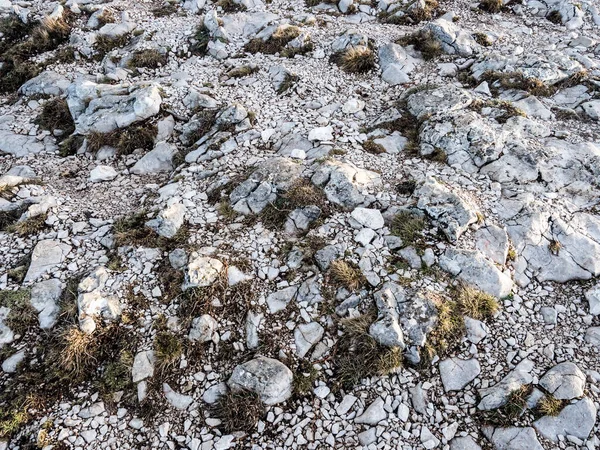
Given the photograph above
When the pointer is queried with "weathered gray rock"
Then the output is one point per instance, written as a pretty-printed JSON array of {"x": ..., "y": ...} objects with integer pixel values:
[
  {"x": 564, "y": 381},
  {"x": 326, "y": 255},
  {"x": 102, "y": 173},
  {"x": 95, "y": 301},
  {"x": 450, "y": 212},
  {"x": 267, "y": 377},
  {"x": 464, "y": 443},
  {"x": 496, "y": 396},
  {"x": 430, "y": 101},
  {"x": 396, "y": 64},
  {"x": 576, "y": 419},
  {"x": 456, "y": 373},
  {"x": 592, "y": 336},
  {"x": 44, "y": 299},
  {"x": 177, "y": 400},
  {"x": 46, "y": 83},
  {"x": 300, "y": 219},
  {"x": 10, "y": 364},
  {"x": 474, "y": 269},
  {"x": 492, "y": 242},
  {"x": 169, "y": 220},
  {"x": 104, "y": 108},
  {"x": 593, "y": 297},
  {"x": 370, "y": 218},
  {"x": 476, "y": 330},
  {"x": 277, "y": 301},
  {"x": 143, "y": 366},
  {"x": 253, "y": 321},
  {"x": 158, "y": 160},
  {"x": 204, "y": 329},
  {"x": 6, "y": 334},
  {"x": 306, "y": 336},
  {"x": 513, "y": 438},
  {"x": 260, "y": 189},
  {"x": 19, "y": 145},
  {"x": 453, "y": 39},
  {"x": 47, "y": 256},
  {"x": 374, "y": 413},
  {"x": 202, "y": 271},
  {"x": 344, "y": 183}
]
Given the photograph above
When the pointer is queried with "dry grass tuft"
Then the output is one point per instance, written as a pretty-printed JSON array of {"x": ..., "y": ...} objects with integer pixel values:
[
  {"x": 150, "y": 58},
  {"x": 359, "y": 59},
  {"x": 412, "y": 15},
  {"x": 242, "y": 71},
  {"x": 105, "y": 44},
  {"x": 304, "y": 378},
  {"x": 239, "y": 411},
  {"x": 125, "y": 140},
  {"x": 491, "y": 6},
  {"x": 371, "y": 147},
  {"x": 409, "y": 227},
  {"x": 425, "y": 42},
  {"x": 230, "y": 6},
  {"x": 475, "y": 303},
  {"x": 357, "y": 355},
  {"x": 274, "y": 44},
  {"x": 482, "y": 39},
  {"x": 550, "y": 406},
  {"x": 555, "y": 17},
  {"x": 168, "y": 349},
  {"x": 167, "y": 9},
  {"x": 29, "y": 226},
  {"x": 200, "y": 41},
  {"x": 56, "y": 115},
  {"x": 554, "y": 247},
  {"x": 79, "y": 351},
  {"x": 516, "y": 80},
  {"x": 509, "y": 110},
  {"x": 343, "y": 274},
  {"x": 513, "y": 409},
  {"x": 300, "y": 194}
]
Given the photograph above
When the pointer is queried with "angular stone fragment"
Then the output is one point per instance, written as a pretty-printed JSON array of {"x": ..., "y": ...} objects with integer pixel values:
[{"x": 267, "y": 377}]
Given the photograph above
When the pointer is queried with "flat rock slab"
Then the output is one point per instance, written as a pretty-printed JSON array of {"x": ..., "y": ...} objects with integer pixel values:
[
  {"x": 513, "y": 438},
  {"x": 576, "y": 419},
  {"x": 456, "y": 373},
  {"x": 564, "y": 381},
  {"x": 46, "y": 257}
]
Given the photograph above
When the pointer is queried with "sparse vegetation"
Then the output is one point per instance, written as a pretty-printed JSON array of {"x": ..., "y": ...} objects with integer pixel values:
[
  {"x": 512, "y": 410},
  {"x": 482, "y": 39},
  {"x": 406, "y": 187},
  {"x": 425, "y": 42},
  {"x": 357, "y": 355},
  {"x": 475, "y": 303},
  {"x": 413, "y": 14},
  {"x": 274, "y": 44},
  {"x": 359, "y": 59},
  {"x": 512, "y": 254},
  {"x": 491, "y": 6},
  {"x": 549, "y": 406},
  {"x": 29, "y": 226},
  {"x": 78, "y": 351},
  {"x": 164, "y": 10},
  {"x": 239, "y": 411},
  {"x": 22, "y": 316},
  {"x": 107, "y": 16},
  {"x": 242, "y": 71},
  {"x": 124, "y": 140},
  {"x": 508, "y": 108},
  {"x": 104, "y": 44},
  {"x": 230, "y": 6},
  {"x": 200, "y": 41},
  {"x": 56, "y": 115},
  {"x": 517, "y": 80},
  {"x": 70, "y": 145},
  {"x": 409, "y": 227},
  {"x": 344, "y": 274},
  {"x": 287, "y": 83},
  {"x": 554, "y": 247},
  {"x": 150, "y": 58},
  {"x": 304, "y": 379},
  {"x": 370, "y": 146},
  {"x": 132, "y": 230},
  {"x": 300, "y": 194},
  {"x": 168, "y": 349},
  {"x": 555, "y": 16},
  {"x": 203, "y": 122}
]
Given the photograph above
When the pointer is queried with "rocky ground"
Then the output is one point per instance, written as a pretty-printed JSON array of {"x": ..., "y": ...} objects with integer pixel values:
[{"x": 299, "y": 225}]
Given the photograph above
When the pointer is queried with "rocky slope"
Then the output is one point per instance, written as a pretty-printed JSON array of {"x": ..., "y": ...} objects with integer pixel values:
[{"x": 239, "y": 224}]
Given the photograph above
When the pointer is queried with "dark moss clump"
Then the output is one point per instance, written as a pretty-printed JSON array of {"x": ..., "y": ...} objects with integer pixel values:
[{"x": 199, "y": 43}]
